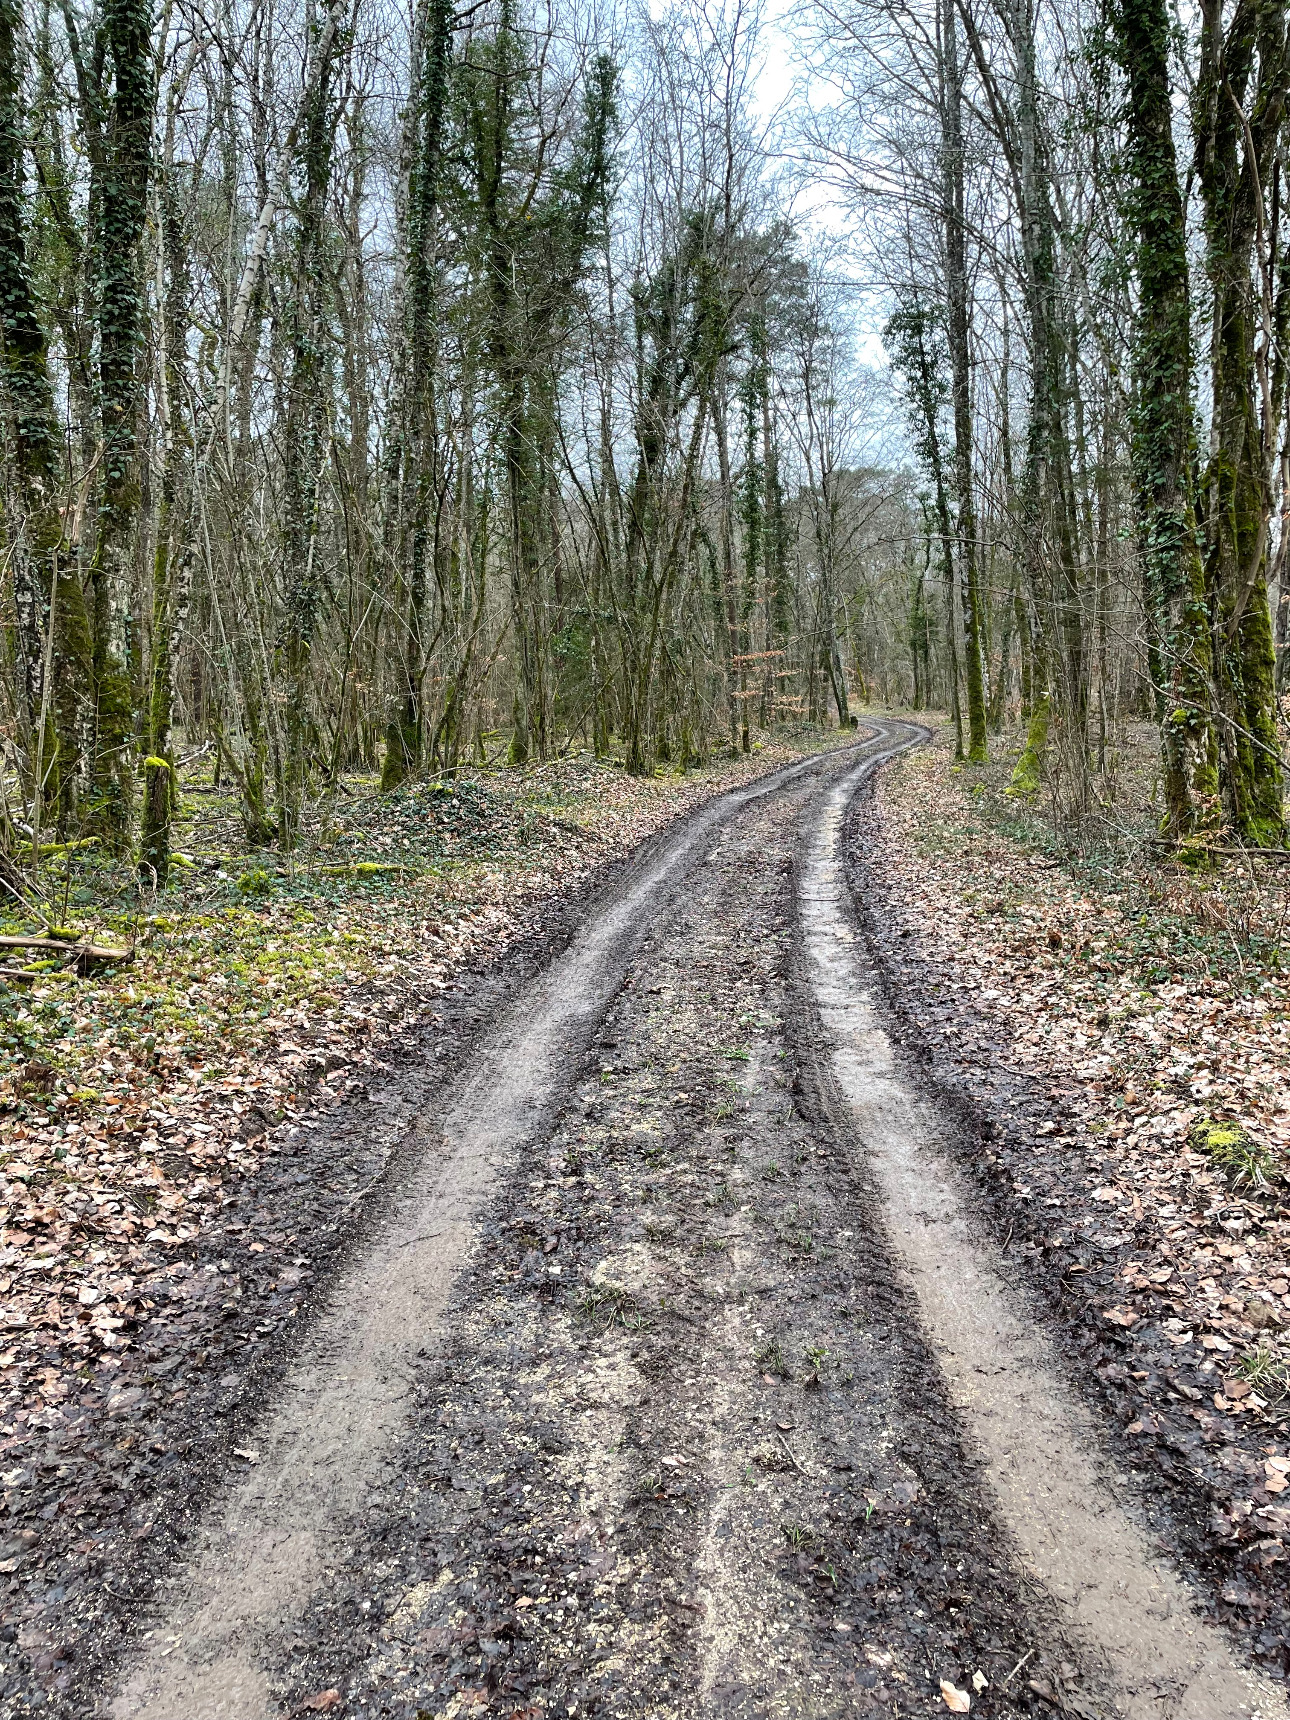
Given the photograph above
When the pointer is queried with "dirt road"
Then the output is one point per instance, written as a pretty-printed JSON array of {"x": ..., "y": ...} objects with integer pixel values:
[{"x": 682, "y": 1377}]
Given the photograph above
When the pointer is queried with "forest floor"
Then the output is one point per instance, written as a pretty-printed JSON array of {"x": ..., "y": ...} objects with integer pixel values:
[{"x": 586, "y": 1343}]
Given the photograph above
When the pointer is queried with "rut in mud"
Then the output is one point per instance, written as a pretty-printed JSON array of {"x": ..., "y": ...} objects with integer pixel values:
[{"x": 650, "y": 1400}]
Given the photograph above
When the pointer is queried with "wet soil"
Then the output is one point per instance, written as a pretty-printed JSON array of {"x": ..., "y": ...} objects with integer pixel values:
[
  {"x": 682, "y": 1450},
  {"x": 98, "y": 1512},
  {"x": 675, "y": 1441}
]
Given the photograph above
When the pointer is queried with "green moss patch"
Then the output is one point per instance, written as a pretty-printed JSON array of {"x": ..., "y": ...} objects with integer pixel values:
[{"x": 1245, "y": 1161}]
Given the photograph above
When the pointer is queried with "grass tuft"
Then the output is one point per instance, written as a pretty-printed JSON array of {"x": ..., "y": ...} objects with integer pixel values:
[
  {"x": 611, "y": 1305},
  {"x": 769, "y": 1357},
  {"x": 1264, "y": 1368}
]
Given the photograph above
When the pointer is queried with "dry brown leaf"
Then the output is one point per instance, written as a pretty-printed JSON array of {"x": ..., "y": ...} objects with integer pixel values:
[
  {"x": 956, "y": 1700},
  {"x": 321, "y": 1702}
]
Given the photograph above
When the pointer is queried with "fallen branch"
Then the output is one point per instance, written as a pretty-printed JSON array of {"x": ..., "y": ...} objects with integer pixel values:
[
  {"x": 84, "y": 955},
  {"x": 1228, "y": 852},
  {"x": 792, "y": 1456},
  {"x": 364, "y": 868},
  {"x": 48, "y": 849}
]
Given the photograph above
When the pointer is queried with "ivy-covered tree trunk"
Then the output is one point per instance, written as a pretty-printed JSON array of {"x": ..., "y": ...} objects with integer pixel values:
[
  {"x": 1048, "y": 509},
  {"x": 920, "y": 637},
  {"x": 736, "y": 663},
  {"x": 405, "y": 736},
  {"x": 51, "y": 636},
  {"x": 526, "y": 433},
  {"x": 752, "y": 520},
  {"x": 173, "y": 556},
  {"x": 305, "y": 450},
  {"x": 909, "y": 337},
  {"x": 122, "y": 204},
  {"x": 780, "y": 619},
  {"x": 1163, "y": 429},
  {"x": 1239, "y": 110},
  {"x": 1279, "y": 256},
  {"x": 497, "y": 151},
  {"x": 999, "y": 683},
  {"x": 659, "y": 304}
]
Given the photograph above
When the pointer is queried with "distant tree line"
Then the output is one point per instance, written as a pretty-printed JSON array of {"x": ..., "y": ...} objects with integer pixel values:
[
  {"x": 383, "y": 393},
  {"x": 387, "y": 393}
]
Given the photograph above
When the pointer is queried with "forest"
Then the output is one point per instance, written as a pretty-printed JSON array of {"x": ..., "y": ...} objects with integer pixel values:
[
  {"x": 644, "y": 692},
  {"x": 389, "y": 392}
]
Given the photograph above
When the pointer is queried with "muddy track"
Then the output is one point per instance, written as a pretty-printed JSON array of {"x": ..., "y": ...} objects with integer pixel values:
[
  {"x": 674, "y": 1381},
  {"x": 1004, "y": 1122}
]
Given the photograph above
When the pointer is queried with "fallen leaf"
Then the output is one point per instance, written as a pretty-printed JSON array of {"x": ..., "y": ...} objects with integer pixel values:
[
  {"x": 979, "y": 1681},
  {"x": 956, "y": 1700},
  {"x": 250, "y": 1456},
  {"x": 321, "y": 1702}
]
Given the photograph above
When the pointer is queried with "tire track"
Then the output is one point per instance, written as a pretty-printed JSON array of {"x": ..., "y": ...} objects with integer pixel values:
[
  {"x": 633, "y": 1407},
  {"x": 708, "y": 1468},
  {"x": 264, "y": 1549},
  {"x": 1072, "y": 1526}
]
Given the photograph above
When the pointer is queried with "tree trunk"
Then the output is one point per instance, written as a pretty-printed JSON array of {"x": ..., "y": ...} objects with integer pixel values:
[
  {"x": 961, "y": 366},
  {"x": 405, "y": 736},
  {"x": 173, "y": 561},
  {"x": 52, "y": 635},
  {"x": 122, "y": 211},
  {"x": 1242, "y": 65},
  {"x": 1163, "y": 429},
  {"x": 306, "y": 437}
]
